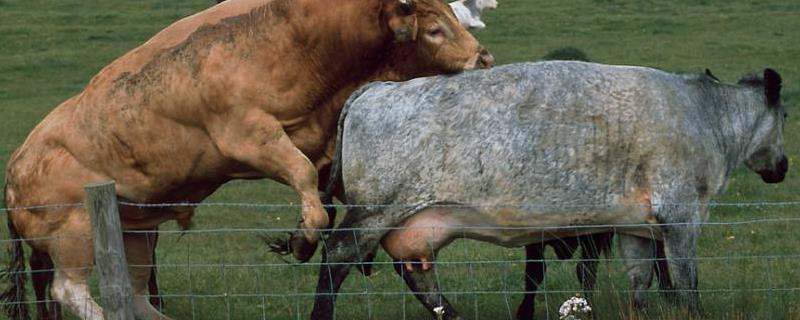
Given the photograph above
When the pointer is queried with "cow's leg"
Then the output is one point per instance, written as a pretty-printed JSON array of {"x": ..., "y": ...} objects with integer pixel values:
[
  {"x": 72, "y": 254},
  {"x": 586, "y": 270},
  {"x": 661, "y": 266},
  {"x": 259, "y": 141},
  {"x": 42, "y": 278},
  {"x": 680, "y": 244},
  {"x": 637, "y": 253},
  {"x": 415, "y": 245},
  {"x": 139, "y": 249},
  {"x": 426, "y": 289},
  {"x": 342, "y": 250},
  {"x": 535, "y": 269}
]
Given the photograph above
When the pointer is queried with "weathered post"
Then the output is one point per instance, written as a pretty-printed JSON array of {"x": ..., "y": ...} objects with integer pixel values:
[{"x": 109, "y": 251}]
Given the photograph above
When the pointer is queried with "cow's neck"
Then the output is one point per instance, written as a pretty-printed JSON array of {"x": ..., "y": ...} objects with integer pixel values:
[{"x": 735, "y": 115}]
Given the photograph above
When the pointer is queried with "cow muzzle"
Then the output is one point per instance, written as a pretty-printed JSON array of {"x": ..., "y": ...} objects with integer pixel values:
[
  {"x": 485, "y": 59},
  {"x": 778, "y": 174},
  {"x": 482, "y": 60}
]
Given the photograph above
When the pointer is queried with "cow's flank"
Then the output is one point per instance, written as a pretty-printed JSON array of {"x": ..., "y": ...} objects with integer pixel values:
[{"x": 518, "y": 152}]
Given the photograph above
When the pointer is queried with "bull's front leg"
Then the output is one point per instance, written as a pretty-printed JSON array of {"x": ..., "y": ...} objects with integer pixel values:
[{"x": 257, "y": 139}]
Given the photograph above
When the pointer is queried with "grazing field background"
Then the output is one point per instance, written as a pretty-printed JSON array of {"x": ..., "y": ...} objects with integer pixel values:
[{"x": 50, "y": 49}]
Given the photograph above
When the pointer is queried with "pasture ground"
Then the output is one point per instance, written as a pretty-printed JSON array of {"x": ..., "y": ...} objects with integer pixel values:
[{"x": 50, "y": 49}]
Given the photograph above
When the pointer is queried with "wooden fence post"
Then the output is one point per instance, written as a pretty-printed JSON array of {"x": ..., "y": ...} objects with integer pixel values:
[{"x": 109, "y": 251}]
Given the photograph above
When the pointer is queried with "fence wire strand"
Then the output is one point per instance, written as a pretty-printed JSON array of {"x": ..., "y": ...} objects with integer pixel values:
[{"x": 217, "y": 278}]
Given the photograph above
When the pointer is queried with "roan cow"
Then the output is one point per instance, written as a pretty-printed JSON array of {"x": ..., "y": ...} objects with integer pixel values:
[
  {"x": 247, "y": 89},
  {"x": 525, "y": 153}
]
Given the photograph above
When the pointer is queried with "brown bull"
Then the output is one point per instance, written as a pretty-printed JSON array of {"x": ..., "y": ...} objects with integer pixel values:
[{"x": 244, "y": 90}]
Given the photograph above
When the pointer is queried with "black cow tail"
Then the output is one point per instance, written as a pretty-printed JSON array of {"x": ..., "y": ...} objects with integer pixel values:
[{"x": 13, "y": 298}]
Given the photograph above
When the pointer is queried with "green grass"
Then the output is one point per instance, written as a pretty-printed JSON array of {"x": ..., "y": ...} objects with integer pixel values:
[{"x": 50, "y": 49}]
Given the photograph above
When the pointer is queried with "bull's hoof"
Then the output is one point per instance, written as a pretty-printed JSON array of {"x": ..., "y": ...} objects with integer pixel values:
[
  {"x": 297, "y": 245},
  {"x": 301, "y": 249}
]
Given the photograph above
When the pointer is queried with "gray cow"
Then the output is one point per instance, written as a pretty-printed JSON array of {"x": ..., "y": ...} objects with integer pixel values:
[{"x": 509, "y": 154}]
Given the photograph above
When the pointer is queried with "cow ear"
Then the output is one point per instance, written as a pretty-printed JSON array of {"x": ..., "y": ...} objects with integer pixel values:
[
  {"x": 403, "y": 21},
  {"x": 772, "y": 87},
  {"x": 711, "y": 75}
]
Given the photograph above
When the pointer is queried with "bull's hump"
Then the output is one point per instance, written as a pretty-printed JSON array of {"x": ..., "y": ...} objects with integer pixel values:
[{"x": 181, "y": 30}]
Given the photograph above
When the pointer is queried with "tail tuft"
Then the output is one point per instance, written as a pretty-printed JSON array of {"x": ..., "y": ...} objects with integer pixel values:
[{"x": 13, "y": 298}]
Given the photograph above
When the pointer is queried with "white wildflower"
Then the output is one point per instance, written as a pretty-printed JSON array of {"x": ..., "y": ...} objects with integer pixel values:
[{"x": 575, "y": 308}]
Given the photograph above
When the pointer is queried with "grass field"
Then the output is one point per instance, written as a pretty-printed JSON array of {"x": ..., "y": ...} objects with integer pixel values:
[{"x": 50, "y": 49}]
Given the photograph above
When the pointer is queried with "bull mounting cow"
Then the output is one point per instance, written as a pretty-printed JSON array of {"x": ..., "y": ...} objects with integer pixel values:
[{"x": 246, "y": 89}]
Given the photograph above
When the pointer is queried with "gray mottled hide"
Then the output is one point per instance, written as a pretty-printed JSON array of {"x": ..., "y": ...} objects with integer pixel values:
[
  {"x": 558, "y": 138},
  {"x": 520, "y": 149}
]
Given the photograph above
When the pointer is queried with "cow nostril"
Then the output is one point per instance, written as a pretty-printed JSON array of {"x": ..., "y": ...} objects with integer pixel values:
[{"x": 486, "y": 59}]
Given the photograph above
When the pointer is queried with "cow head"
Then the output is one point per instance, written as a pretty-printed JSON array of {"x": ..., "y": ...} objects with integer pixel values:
[
  {"x": 428, "y": 39},
  {"x": 768, "y": 159}
]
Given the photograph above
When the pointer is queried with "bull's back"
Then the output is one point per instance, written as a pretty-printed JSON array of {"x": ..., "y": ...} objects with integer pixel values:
[{"x": 140, "y": 119}]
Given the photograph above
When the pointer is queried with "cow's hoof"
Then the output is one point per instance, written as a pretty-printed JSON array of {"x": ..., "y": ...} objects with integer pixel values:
[{"x": 301, "y": 248}]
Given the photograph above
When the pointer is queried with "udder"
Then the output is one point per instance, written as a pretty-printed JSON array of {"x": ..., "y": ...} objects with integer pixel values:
[{"x": 419, "y": 237}]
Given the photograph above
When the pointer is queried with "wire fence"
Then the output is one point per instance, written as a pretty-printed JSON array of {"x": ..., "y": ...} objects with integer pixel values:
[{"x": 221, "y": 268}]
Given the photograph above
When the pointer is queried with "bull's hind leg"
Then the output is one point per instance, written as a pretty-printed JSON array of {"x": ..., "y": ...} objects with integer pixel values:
[
  {"x": 73, "y": 257},
  {"x": 152, "y": 282},
  {"x": 42, "y": 277},
  {"x": 139, "y": 249}
]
